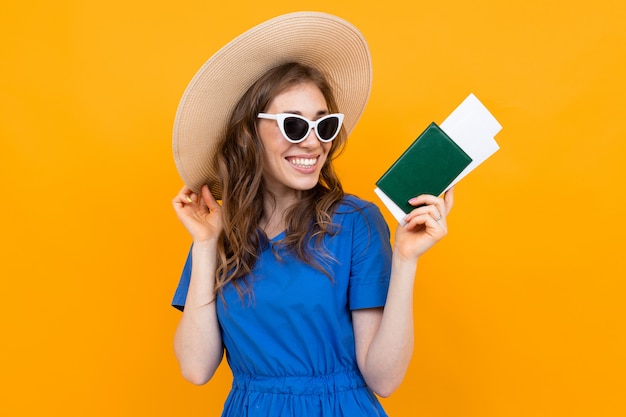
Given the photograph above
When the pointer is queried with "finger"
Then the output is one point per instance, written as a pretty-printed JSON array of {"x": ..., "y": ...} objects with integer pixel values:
[
  {"x": 439, "y": 207},
  {"x": 185, "y": 190},
  {"x": 427, "y": 225},
  {"x": 208, "y": 198},
  {"x": 448, "y": 199},
  {"x": 423, "y": 220},
  {"x": 184, "y": 196},
  {"x": 420, "y": 211},
  {"x": 434, "y": 212},
  {"x": 424, "y": 200},
  {"x": 427, "y": 204}
]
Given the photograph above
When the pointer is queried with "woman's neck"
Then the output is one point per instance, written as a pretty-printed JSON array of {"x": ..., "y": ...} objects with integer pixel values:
[{"x": 273, "y": 221}]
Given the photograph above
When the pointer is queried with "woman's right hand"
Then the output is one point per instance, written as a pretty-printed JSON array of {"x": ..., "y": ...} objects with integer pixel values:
[{"x": 200, "y": 214}]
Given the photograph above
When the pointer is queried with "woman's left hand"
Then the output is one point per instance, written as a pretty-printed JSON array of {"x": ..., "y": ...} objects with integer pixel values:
[{"x": 424, "y": 226}]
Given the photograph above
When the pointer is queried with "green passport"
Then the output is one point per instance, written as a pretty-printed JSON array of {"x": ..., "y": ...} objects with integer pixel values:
[{"x": 428, "y": 166}]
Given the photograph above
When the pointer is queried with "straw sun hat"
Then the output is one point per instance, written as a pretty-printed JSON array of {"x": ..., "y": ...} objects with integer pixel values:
[{"x": 320, "y": 40}]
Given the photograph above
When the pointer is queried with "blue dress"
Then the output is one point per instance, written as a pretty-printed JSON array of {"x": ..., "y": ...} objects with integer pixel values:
[{"x": 290, "y": 345}]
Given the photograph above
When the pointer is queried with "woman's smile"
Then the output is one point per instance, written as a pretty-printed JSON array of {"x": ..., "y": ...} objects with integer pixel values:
[{"x": 303, "y": 163}]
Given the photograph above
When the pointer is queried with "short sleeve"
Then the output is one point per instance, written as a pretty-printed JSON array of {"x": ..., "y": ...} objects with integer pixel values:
[
  {"x": 370, "y": 268},
  {"x": 180, "y": 296}
]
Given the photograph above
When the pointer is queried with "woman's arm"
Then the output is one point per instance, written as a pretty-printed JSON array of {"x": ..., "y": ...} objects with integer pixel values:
[
  {"x": 197, "y": 342},
  {"x": 384, "y": 337}
]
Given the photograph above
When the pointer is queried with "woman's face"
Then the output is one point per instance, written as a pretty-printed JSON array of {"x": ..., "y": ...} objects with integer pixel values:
[{"x": 293, "y": 167}]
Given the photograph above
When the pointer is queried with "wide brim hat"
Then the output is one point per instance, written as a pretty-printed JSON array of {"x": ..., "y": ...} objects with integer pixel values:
[{"x": 323, "y": 41}]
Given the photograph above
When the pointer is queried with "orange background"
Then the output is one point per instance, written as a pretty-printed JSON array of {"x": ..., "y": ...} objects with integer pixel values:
[{"x": 519, "y": 311}]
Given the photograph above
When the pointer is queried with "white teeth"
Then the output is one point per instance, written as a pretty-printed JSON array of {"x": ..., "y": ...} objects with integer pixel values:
[{"x": 303, "y": 162}]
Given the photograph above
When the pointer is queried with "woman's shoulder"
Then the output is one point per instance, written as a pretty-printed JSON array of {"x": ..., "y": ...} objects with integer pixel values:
[
  {"x": 362, "y": 219},
  {"x": 352, "y": 205},
  {"x": 351, "y": 201}
]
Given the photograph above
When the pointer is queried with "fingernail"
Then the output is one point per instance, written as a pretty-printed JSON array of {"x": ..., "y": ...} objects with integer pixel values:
[
  {"x": 189, "y": 199},
  {"x": 413, "y": 200}
]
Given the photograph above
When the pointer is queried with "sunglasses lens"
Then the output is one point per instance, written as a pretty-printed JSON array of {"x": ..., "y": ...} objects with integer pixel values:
[
  {"x": 295, "y": 128},
  {"x": 328, "y": 127}
]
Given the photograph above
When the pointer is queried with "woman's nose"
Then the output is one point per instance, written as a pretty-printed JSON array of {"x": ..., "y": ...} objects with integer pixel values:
[{"x": 311, "y": 139}]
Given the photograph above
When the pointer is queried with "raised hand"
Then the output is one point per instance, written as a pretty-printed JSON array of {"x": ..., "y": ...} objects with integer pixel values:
[
  {"x": 424, "y": 226},
  {"x": 200, "y": 214}
]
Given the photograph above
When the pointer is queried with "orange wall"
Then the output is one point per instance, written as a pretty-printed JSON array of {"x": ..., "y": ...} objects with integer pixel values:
[{"x": 519, "y": 312}]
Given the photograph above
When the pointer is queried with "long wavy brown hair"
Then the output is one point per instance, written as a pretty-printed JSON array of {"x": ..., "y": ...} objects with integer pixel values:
[{"x": 241, "y": 167}]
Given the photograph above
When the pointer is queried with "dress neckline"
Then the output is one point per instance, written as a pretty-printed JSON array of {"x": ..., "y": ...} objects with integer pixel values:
[{"x": 279, "y": 236}]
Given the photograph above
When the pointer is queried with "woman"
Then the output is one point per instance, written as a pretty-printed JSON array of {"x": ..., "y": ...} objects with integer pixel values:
[{"x": 290, "y": 275}]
